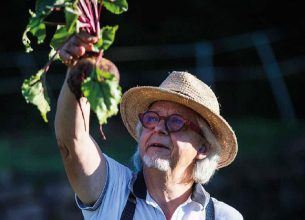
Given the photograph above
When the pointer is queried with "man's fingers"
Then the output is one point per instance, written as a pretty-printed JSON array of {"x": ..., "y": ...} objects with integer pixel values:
[
  {"x": 77, "y": 50},
  {"x": 80, "y": 43},
  {"x": 65, "y": 56},
  {"x": 72, "y": 51},
  {"x": 86, "y": 38},
  {"x": 76, "y": 47}
]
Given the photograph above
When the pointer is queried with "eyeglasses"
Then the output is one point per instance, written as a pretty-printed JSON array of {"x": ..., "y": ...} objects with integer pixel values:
[{"x": 173, "y": 123}]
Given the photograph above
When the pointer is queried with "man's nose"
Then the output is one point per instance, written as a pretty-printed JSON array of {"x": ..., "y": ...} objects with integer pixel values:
[{"x": 161, "y": 128}]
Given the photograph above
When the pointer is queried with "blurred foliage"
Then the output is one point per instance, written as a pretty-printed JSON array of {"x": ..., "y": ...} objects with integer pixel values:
[
  {"x": 30, "y": 152},
  {"x": 36, "y": 151},
  {"x": 262, "y": 139}
]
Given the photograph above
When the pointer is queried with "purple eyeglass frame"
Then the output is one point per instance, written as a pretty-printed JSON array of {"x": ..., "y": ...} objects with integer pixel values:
[{"x": 186, "y": 122}]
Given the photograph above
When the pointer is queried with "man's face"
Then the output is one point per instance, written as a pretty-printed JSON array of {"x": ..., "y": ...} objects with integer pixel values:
[{"x": 176, "y": 150}]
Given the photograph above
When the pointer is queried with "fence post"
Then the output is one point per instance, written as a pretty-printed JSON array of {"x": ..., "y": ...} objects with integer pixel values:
[
  {"x": 204, "y": 62},
  {"x": 274, "y": 75}
]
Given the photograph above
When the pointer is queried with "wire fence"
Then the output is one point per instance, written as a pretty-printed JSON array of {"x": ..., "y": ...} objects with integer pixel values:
[{"x": 199, "y": 57}]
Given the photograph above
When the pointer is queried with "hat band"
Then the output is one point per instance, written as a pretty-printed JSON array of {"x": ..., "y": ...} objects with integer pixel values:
[{"x": 182, "y": 93}]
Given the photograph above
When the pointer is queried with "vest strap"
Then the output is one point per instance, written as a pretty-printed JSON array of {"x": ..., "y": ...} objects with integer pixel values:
[
  {"x": 131, "y": 203},
  {"x": 130, "y": 208}
]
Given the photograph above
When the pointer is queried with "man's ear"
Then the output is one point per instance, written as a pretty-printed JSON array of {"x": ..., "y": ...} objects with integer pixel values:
[{"x": 202, "y": 152}]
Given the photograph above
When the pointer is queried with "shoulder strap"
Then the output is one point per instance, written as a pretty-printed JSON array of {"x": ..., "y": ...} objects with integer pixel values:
[
  {"x": 139, "y": 191},
  {"x": 131, "y": 203},
  {"x": 209, "y": 211},
  {"x": 130, "y": 208}
]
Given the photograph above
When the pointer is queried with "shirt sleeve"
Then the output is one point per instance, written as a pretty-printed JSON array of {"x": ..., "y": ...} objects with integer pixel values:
[
  {"x": 113, "y": 197},
  {"x": 224, "y": 211}
]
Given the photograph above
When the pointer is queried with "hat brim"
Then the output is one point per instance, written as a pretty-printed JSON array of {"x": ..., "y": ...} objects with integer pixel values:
[{"x": 138, "y": 99}]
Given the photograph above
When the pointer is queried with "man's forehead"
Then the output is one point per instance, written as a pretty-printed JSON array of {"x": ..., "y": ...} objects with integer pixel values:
[{"x": 173, "y": 108}]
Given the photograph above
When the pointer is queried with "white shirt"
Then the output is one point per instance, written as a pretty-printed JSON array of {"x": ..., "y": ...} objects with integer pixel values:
[{"x": 120, "y": 181}]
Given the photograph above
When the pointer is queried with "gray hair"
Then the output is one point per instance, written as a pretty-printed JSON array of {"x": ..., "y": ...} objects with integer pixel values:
[{"x": 204, "y": 168}]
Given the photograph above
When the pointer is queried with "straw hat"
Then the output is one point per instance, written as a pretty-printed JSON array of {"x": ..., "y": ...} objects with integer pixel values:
[{"x": 183, "y": 88}]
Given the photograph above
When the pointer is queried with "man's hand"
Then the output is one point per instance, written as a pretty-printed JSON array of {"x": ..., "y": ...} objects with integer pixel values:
[{"x": 76, "y": 47}]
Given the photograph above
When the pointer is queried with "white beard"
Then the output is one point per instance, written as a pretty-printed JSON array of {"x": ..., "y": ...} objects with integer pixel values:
[{"x": 156, "y": 162}]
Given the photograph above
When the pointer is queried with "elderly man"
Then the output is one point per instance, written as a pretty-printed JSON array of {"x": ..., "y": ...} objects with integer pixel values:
[{"x": 182, "y": 140}]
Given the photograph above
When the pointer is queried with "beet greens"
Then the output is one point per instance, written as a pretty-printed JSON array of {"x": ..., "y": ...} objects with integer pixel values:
[{"x": 100, "y": 87}]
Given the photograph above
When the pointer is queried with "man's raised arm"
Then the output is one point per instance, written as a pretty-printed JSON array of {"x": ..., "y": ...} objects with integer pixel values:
[{"x": 84, "y": 162}]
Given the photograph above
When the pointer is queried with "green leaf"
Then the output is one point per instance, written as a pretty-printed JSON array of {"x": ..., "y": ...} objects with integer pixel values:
[
  {"x": 36, "y": 24},
  {"x": 115, "y": 6},
  {"x": 103, "y": 93},
  {"x": 71, "y": 16},
  {"x": 107, "y": 34},
  {"x": 52, "y": 53},
  {"x": 59, "y": 37},
  {"x": 45, "y": 6},
  {"x": 37, "y": 28},
  {"x": 34, "y": 92},
  {"x": 101, "y": 88},
  {"x": 26, "y": 41}
]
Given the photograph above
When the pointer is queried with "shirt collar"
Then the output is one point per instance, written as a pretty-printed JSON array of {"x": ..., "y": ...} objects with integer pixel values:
[
  {"x": 139, "y": 189},
  {"x": 200, "y": 195}
]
